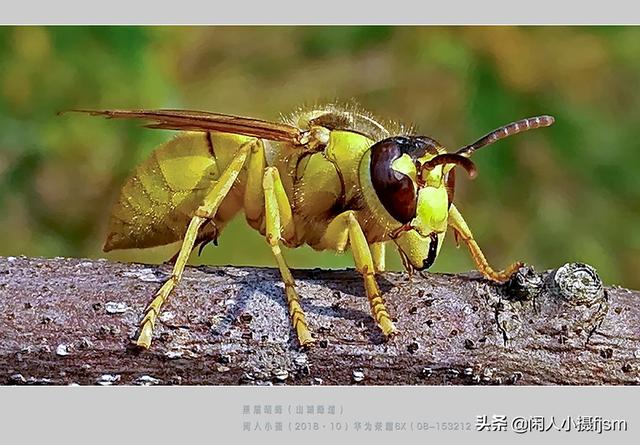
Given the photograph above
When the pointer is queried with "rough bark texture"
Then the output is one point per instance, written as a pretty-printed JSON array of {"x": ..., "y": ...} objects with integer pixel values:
[{"x": 65, "y": 321}]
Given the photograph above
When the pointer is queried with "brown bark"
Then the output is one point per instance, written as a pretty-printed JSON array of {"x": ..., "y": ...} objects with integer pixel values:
[{"x": 66, "y": 321}]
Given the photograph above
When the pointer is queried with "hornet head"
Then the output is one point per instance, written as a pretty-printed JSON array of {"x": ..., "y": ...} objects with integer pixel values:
[{"x": 414, "y": 180}]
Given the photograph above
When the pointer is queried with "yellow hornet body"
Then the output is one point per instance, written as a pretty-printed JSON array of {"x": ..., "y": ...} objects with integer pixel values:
[{"x": 333, "y": 178}]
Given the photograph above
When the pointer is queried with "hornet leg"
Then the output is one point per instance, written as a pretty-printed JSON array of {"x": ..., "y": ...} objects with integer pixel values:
[
  {"x": 378, "y": 256},
  {"x": 344, "y": 229},
  {"x": 203, "y": 214},
  {"x": 279, "y": 225},
  {"x": 462, "y": 230}
]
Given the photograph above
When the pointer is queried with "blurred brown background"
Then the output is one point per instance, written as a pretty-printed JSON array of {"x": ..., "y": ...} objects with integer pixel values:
[{"x": 567, "y": 193}]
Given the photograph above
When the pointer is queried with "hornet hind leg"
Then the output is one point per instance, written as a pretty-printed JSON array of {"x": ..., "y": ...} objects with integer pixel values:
[
  {"x": 203, "y": 214},
  {"x": 202, "y": 240}
]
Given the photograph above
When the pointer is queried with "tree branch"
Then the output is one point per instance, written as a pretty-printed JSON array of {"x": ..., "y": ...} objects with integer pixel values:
[{"x": 66, "y": 321}]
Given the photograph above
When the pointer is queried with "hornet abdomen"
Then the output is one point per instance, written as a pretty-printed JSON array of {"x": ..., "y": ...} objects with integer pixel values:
[{"x": 160, "y": 197}]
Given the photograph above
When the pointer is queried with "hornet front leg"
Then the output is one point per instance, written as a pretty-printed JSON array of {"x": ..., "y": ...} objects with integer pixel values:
[{"x": 462, "y": 231}]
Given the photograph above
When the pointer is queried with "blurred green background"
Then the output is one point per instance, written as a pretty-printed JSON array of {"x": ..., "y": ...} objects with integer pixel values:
[{"x": 567, "y": 193}]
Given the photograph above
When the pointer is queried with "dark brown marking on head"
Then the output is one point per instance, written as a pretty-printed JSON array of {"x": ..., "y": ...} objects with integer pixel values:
[
  {"x": 396, "y": 191},
  {"x": 431, "y": 254}
]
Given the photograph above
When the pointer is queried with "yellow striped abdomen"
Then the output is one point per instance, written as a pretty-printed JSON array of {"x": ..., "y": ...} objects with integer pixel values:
[{"x": 160, "y": 197}]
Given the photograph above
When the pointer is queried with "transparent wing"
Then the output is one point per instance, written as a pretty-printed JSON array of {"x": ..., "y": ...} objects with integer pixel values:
[{"x": 205, "y": 121}]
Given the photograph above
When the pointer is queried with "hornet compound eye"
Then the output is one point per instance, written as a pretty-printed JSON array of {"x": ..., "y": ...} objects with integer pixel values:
[{"x": 397, "y": 191}]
